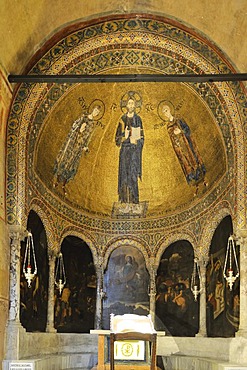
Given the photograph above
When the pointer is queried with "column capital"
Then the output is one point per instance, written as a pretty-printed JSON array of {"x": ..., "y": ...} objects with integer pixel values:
[
  {"x": 17, "y": 232},
  {"x": 241, "y": 236},
  {"x": 202, "y": 261},
  {"x": 52, "y": 254},
  {"x": 100, "y": 262},
  {"x": 152, "y": 267}
]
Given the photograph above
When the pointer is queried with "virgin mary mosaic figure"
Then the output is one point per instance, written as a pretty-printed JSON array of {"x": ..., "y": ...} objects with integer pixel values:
[{"x": 184, "y": 145}]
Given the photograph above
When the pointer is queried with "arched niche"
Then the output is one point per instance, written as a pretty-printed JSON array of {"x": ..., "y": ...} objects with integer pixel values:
[
  {"x": 222, "y": 303},
  {"x": 34, "y": 299},
  {"x": 75, "y": 306},
  {"x": 126, "y": 284},
  {"x": 176, "y": 309}
]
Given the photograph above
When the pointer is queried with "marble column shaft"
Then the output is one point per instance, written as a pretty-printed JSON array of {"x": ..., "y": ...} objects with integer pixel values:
[
  {"x": 152, "y": 291},
  {"x": 17, "y": 234},
  {"x": 202, "y": 310},
  {"x": 99, "y": 296},
  {"x": 14, "y": 327},
  {"x": 50, "y": 312}
]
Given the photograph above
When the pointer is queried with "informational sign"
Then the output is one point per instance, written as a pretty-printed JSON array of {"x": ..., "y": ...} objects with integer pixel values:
[
  {"x": 21, "y": 365},
  {"x": 235, "y": 367}
]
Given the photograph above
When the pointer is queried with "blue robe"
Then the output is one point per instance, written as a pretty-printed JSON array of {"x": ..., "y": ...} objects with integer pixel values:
[{"x": 130, "y": 160}]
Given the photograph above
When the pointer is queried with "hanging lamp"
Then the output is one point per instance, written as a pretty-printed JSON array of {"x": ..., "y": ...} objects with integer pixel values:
[
  {"x": 231, "y": 263},
  {"x": 29, "y": 263},
  {"x": 195, "y": 285},
  {"x": 60, "y": 277}
]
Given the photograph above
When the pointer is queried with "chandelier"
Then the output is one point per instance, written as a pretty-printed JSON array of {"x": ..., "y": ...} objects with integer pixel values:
[
  {"x": 60, "y": 277},
  {"x": 29, "y": 263},
  {"x": 195, "y": 285},
  {"x": 231, "y": 263}
]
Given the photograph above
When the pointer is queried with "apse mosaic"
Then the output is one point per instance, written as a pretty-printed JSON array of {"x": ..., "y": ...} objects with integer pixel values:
[
  {"x": 125, "y": 150},
  {"x": 97, "y": 163}
]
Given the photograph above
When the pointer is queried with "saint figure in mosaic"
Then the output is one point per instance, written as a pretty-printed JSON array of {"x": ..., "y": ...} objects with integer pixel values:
[
  {"x": 77, "y": 141},
  {"x": 130, "y": 138},
  {"x": 184, "y": 145}
]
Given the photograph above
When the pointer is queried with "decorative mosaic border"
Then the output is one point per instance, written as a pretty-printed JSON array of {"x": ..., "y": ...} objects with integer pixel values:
[{"x": 142, "y": 42}]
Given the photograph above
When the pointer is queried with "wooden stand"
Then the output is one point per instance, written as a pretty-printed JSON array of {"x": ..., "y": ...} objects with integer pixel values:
[{"x": 103, "y": 360}]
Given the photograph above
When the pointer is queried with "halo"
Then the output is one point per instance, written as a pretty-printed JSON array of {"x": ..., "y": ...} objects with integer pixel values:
[
  {"x": 161, "y": 106},
  {"x": 126, "y": 257},
  {"x": 134, "y": 95},
  {"x": 101, "y": 106}
]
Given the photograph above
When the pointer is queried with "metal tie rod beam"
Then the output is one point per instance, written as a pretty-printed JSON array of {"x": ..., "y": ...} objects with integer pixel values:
[{"x": 127, "y": 78}]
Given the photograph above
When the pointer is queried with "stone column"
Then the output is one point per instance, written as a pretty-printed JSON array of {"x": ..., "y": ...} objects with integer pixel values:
[
  {"x": 14, "y": 327},
  {"x": 99, "y": 295},
  {"x": 50, "y": 313},
  {"x": 152, "y": 290},
  {"x": 242, "y": 240},
  {"x": 17, "y": 234},
  {"x": 202, "y": 263}
]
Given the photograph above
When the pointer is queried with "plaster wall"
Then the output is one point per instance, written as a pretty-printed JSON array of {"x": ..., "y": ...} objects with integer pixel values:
[{"x": 26, "y": 26}]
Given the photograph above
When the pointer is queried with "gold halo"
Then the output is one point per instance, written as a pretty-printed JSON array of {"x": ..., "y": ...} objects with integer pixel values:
[
  {"x": 128, "y": 255},
  {"x": 160, "y": 109},
  {"x": 94, "y": 104},
  {"x": 134, "y": 95}
]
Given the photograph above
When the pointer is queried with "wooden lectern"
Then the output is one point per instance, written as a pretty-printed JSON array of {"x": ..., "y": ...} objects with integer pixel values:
[{"x": 130, "y": 344}]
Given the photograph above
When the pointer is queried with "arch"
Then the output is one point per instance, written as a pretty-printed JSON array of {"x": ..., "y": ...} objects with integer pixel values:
[
  {"x": 222, "y": 210},
  {"x": 131, "y": 241},
  {"x": 46, "y": 216},
  {"x": 173, "y": 237},
  {"x": 86, "y": 237}
]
